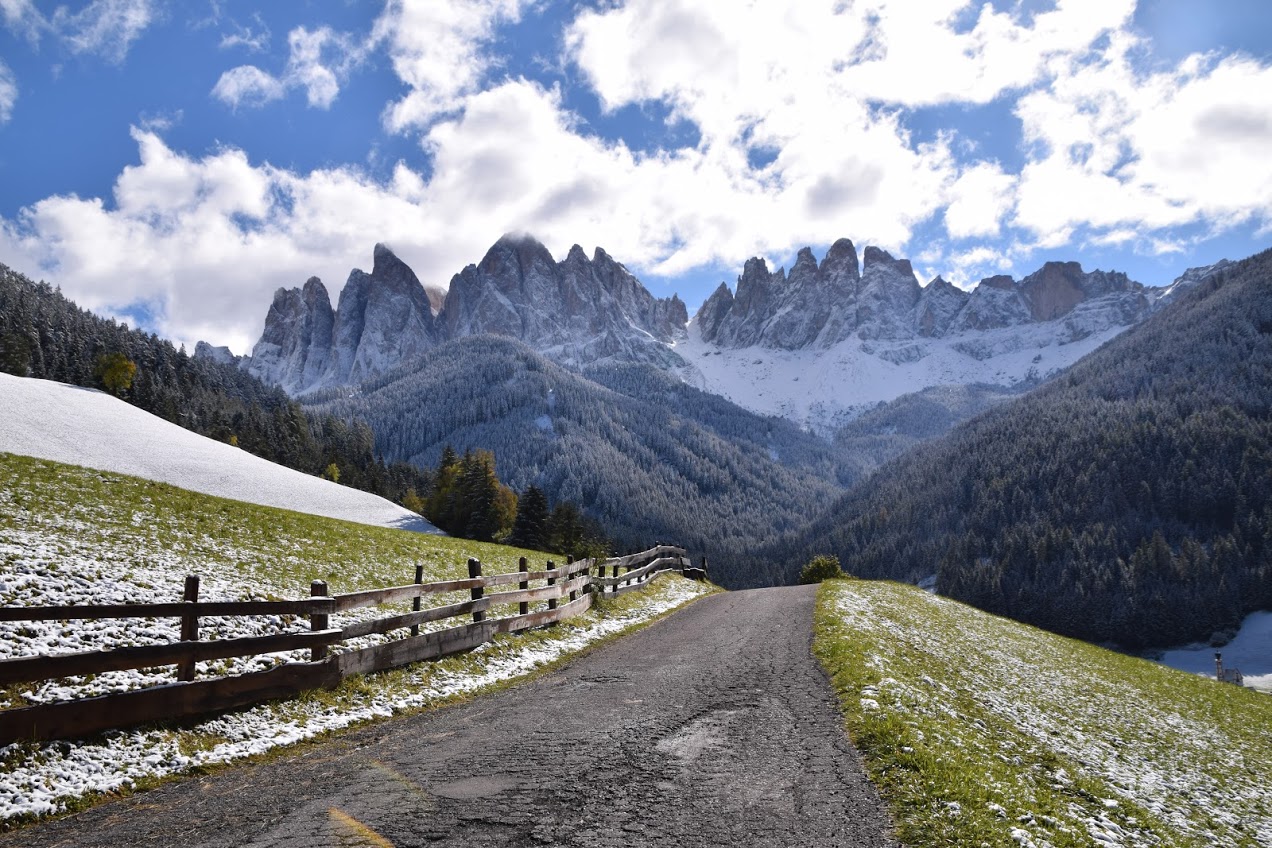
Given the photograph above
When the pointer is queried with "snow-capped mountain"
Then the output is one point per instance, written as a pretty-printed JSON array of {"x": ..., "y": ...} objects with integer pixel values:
[
  {"x": 829, "y": 340},
  {"x": 818, "y": 344},
  {"x": 819, "y": 306},
  {"x": 578, "y": 311}
]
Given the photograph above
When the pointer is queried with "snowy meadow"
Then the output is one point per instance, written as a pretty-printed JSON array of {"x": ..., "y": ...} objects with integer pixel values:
[{"x": 981, "y": 730}]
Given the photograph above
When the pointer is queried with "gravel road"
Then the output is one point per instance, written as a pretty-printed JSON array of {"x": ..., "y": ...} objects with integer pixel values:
[{"x": 713, "y": 727}]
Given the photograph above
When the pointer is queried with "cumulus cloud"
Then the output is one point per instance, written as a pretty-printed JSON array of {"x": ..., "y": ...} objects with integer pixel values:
[
  {"x": 318, "y": 60},
  {"x": 248, "y": 85},
  {"x": 1148, "y": 151},
  {"x": 207, "y": 238},
  {"x": 8, "y": 93},
  {"x": 440, "y": 51}
]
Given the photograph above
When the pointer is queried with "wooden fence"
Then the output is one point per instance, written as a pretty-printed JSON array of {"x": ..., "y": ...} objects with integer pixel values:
[{"x": 568, "y": 591}]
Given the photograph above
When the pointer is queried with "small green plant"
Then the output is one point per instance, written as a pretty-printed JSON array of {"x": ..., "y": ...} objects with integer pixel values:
[{"x": 819, "y": 568}]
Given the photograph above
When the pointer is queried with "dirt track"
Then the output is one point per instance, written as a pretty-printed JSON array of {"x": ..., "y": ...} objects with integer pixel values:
[{"x": 713, "y": 727}]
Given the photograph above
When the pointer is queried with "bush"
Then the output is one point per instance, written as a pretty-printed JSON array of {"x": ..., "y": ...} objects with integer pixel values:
[{"x": 821, "y": 568}]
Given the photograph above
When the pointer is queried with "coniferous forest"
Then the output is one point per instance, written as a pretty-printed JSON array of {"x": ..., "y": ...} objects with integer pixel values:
[{"x": 1128, "y": 500}]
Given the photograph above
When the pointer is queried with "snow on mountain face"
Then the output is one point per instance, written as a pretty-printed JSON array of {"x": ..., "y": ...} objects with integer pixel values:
[
  {"x": 820, "y": 348},
  {"x": 578, "y": 311}
]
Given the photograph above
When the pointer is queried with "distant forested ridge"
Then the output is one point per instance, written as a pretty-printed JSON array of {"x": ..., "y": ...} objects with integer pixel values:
[
  {"x": 1129, "y": 500},
  {"x": 44, "y": 335},
  {"x": 658, "y": 461}
]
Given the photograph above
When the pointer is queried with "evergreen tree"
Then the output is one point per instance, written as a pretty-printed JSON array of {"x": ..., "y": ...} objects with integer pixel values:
[{"x": 530, "y": 529}]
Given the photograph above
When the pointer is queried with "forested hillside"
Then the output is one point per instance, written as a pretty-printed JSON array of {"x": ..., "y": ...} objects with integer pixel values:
[
  {"x": 44, "y": 335},
  {"x": 666, "y": 463},
  {"x": 1128, "y": 500}
]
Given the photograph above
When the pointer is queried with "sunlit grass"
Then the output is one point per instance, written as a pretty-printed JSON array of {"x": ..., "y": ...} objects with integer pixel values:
[{"x": 980, "y": 730}]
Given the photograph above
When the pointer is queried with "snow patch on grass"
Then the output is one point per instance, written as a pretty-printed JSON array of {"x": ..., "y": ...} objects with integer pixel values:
[{"x": 1039, "y": 739}]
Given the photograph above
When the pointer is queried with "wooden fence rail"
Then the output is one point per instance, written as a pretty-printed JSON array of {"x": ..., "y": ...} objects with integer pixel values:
[{"x": 577, "y": 583}]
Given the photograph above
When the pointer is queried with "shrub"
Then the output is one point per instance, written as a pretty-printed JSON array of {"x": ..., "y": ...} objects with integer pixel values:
[{"x": 821, "y": 568}]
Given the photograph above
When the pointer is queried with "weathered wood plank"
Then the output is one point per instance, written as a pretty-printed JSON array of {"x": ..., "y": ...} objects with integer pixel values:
[
  {"x": 656, "y": 565},
  {"x": 176, "y": 609},
  {"x": 416, "y": 648},
  {"x": 645, "y": 556},
  {"x": 25, "y": 669},
  {"x": 411, "y": 619},
  {"x": 70, "y": 719},
  {"x": 375, "y": 597},
  {"x": 548, "y": 616}
]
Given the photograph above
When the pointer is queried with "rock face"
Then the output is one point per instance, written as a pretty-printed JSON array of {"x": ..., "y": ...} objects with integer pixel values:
[
  {"x": 577, "y": 311},
  {"x": 383, "y": 318},
  {"x": 220, "y": 354},
  {"x": 816, "y": 307},
  {"x": 295, "y": 347}
]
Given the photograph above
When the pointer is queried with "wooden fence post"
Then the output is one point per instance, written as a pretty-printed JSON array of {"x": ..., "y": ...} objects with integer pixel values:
[
  {"x": 415, "y": 605},
  {"x": 318, "y": 620},
  {"x": 574, "y": 595},
  {"x": 523, "y": 566},
  {"x": 552, "y": 602},
  {"x": 474, "y": 570},
  {"x": 189, "y": 626}
]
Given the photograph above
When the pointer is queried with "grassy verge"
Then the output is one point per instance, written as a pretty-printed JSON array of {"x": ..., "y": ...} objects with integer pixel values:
[{"x": 983, "y": 731}]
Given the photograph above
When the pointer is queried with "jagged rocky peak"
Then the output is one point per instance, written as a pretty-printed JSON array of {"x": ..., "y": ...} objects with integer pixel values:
[
  {"x": 1056, "y": 288},
  {"x": 295, "y": 345},
  {"x": 939, "y": 304},
  {"x": 219, "y": 354},
  {"x": 817, "y": 306},
  {"x": 839, "y": 266},
  {"x": 383, "y": 318},
  {"x": 561, "y": 309}
]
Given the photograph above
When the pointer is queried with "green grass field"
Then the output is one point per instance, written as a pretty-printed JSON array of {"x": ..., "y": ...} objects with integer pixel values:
[{"x": 983, "y": 731}]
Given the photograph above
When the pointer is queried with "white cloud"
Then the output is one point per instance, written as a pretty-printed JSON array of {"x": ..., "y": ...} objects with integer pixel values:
[
  {"x": 440, "y": 51},
  {"x": 106, "y": 28},
  {"x": 253, "y": 40},
  {"x": 248, "y": 85},
  {"x": 21, "y": 17},
  {"x": 8, "y": 92},
  {"x": 208, "y": 238},
  {"x": 978, "y": 200},
  {"x": 318, "y": 60},
  {"x": 1151, "y": 151}
]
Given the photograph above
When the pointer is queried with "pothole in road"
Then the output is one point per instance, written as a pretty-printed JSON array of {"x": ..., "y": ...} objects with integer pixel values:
[{"x": 704, "y": 732}]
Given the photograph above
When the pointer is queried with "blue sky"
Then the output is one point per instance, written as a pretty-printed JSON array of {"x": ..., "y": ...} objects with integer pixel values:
[{"x": 176, "y": 162}]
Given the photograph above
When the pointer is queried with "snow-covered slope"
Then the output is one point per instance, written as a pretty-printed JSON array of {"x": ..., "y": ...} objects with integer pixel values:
[
  {"x": 823, "y": 389},
  {"x": 86, "y": 427}
]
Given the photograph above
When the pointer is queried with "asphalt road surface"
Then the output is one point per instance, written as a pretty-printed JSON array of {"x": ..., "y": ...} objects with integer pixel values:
[{"x": 713, "y": 727}]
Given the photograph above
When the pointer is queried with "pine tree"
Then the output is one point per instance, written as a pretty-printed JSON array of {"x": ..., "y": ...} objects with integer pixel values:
[{"x": 530, "y": 529}]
